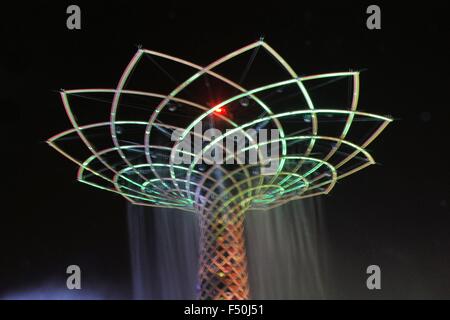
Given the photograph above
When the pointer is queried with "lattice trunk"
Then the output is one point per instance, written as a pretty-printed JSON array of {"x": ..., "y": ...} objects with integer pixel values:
[{"x": 223, "y": 264}]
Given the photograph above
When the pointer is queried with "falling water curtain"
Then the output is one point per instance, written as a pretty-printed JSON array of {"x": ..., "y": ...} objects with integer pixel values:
[{"x": 286, "y": 249}]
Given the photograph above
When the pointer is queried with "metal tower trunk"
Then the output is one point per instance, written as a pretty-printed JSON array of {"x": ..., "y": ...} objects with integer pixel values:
[{"x": 223, "y": 262}]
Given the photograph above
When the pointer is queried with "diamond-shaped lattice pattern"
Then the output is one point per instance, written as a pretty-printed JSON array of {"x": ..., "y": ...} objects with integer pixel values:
[{"x": 223, "y": 265}]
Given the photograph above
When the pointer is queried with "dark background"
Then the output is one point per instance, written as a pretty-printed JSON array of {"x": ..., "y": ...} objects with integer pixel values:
[{"x": 395, "y": 214}]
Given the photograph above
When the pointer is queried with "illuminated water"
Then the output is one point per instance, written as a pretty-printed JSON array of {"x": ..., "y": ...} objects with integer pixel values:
[{"x": 285, "y": 248}]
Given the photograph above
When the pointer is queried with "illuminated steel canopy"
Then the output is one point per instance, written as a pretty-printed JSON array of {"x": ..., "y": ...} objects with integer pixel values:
[{"x": 139, "y": 163}]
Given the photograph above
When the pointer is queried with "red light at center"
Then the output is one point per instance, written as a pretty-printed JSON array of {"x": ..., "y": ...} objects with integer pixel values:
[{"x": 219, "y": 110}]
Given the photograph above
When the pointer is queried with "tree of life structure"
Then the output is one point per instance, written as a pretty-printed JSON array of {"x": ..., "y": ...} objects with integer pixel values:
[{"x": 134, "y": 153}]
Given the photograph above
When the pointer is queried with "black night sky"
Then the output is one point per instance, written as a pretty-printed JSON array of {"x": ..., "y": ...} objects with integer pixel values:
[{"x": 395, "y": 214}]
